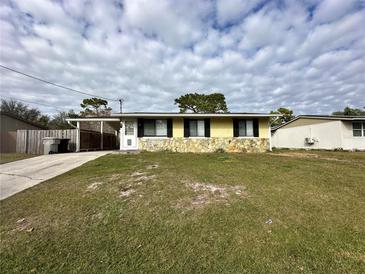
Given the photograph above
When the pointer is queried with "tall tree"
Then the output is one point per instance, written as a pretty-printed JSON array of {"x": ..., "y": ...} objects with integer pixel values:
[
  {"x": 202, "y": 103},
  {"x": 347, "y": 111},
  {"x": 95, "y": 106},
  {"x": 287, "y": 115}
]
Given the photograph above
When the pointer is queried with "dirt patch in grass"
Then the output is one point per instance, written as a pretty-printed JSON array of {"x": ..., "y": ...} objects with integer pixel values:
[
  {"x": 24, "y": 224},
  {"x": 97, "y": 216},
  {"x": 144, "y": 178},
  {"x": 210, "y": 193},
  {"x": 139, "y": 177},
  {"x": 115, "y": 177},
  {"x": 220, "y": 190},
  {"x": 138, "y": 173},
  {"x": 94, "y": 186},
  {"x": 136, "y": 178},
  {"x": 152, "y": 166},
  {"x": 355, "y": 256},
  {"x": 127, "y": 192},
  {"x": 308, "y": 155}
]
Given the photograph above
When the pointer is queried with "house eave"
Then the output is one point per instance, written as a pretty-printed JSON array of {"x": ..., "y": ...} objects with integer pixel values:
[
  {"x": 194, "y": 115},
  {"x": 322, "y": 117}
]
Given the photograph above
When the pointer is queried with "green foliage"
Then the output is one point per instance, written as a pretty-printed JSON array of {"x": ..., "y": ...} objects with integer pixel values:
[
  {"x": 24, "y": 112},
  {"x": 59, "y": 120},
  {"x": 286, "y": 113},
  {"x": 94, "y": 106},
  {"x": 202, "y": 103},
  {"x": 347, "y": 111}
]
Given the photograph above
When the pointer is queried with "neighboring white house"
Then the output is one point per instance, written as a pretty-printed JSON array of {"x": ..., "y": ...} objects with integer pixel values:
[{"x": 321, "y": 132}]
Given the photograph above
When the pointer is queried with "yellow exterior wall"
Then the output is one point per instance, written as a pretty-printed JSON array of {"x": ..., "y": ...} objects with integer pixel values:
[
  {"x": 264, "y": 127},
  {"x": 178, "y": 127},
  {"x": 221, "y": 127}
]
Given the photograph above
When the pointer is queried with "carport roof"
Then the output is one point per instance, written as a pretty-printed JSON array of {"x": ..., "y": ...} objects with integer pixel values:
[{"x": 93, "y": 119}]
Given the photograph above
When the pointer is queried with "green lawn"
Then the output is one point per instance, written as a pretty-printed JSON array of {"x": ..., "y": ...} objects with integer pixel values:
[
  {"x": 201, "y": 213},
  {"x": 11, "y": 157}
]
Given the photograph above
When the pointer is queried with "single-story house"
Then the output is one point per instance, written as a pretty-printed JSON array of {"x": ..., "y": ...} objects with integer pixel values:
[
  {"x": 188, "y": 132},
  {"x": 9, "y": 124},
  {"x": 321, "y": 132}
]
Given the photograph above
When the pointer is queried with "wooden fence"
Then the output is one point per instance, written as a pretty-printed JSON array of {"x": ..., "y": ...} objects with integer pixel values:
[
  {"x": 90, "y": 140},
  {"x": 30, "y": 141}
]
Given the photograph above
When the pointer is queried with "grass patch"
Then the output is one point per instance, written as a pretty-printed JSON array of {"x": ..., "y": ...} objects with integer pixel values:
[
  {"x": 182, "y": 213},
  {"x": 11, "y": 157}
]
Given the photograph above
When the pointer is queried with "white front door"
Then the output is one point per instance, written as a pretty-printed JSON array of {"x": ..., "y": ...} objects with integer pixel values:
[{"x": 128, "y": 135}]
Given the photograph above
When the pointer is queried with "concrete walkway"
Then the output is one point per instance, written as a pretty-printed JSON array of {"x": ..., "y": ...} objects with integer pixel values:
[{"x": 19, "y": 175}]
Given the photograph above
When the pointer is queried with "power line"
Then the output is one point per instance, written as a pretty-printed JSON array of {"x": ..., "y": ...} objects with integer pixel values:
[
  {"x": 28, "y": 102},
  {"x": 54, "y": 84}
]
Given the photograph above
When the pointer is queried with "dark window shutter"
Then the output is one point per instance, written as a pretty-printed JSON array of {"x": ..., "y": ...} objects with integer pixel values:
[
  {"x": 207, "y": 127},
  {"x": 256, "y": 127},
  {"x": 169, "y": 128},
  {"x": 140, "y": 127},
  {"x": 186, "y": 128},
  {"x": 235, "y": 128}
]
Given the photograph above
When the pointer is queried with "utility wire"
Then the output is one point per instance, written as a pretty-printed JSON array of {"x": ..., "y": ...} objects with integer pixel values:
[
  {"x": 28, "y": 102},
  {"x": 54, "y": 84}
]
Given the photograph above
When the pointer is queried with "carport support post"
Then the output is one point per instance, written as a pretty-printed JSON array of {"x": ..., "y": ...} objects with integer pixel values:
[
  {"x": 78, "y": 137},
  {"x": 270, "y": 145},
  {"x": 101, "y": 135}
]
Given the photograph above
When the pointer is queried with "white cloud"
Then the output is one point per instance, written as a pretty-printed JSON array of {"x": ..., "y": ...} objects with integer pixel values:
[
  {"x": 330, "y": 10},
  {"x": 231, "y": 11},
  {"x": 166, "y": 21},
  {"x": 150, "y": 52}
]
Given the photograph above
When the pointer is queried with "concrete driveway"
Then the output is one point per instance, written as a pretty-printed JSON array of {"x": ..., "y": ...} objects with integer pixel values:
[{"x": 19, "y": 175}]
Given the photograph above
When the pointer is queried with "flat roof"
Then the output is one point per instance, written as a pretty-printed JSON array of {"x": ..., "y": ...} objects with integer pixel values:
[
  {"x": 323, "y": 117},
  {"x": 118, "y": 116},
  {"x": 178, "y": 114},
  {"x": 93, "y": 119}
]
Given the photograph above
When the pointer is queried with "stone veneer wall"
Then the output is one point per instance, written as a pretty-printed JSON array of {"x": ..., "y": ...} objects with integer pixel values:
[{"x": 212, "y": 144}]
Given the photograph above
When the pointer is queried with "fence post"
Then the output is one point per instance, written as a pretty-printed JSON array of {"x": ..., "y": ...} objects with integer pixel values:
[{"x": 26, "y": 141}]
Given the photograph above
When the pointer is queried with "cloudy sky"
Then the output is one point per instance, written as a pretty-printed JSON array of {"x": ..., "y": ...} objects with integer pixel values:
[{"x": 306, "y": 55}]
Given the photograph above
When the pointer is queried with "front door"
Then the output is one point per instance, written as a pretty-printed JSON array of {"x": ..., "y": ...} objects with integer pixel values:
[{"x": 129, "y": 135}]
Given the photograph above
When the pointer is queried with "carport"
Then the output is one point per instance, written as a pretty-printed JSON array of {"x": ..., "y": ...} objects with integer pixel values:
[{"x": 96, "y": 139}]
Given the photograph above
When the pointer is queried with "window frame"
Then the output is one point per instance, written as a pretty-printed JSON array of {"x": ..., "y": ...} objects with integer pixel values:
[
  {"x": 155, "y": 128},
  {"x": 245, "y": 121},
  {"x": 197, "y": 128},
  {"x": 361, "y": 129}
]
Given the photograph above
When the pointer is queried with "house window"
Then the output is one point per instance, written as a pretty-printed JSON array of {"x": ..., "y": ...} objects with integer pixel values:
[
  {"x": 152, "y": 128},
  {"x": 196, "y": 128},
  {"x": 358, "y": 129},
  {"x": 245, "y": 128},
  {"x": 129, "y": 128}
]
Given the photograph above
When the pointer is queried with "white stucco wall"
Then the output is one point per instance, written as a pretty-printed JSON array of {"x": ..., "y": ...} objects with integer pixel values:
[
  {"x": 349, "y": 142},
  {"x": 326, "y": 132},
  {"x": 329, "y": 134}
]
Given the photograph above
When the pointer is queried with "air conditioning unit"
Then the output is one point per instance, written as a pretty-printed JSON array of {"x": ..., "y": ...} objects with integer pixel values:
[{"x": 309, "y": 141}]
